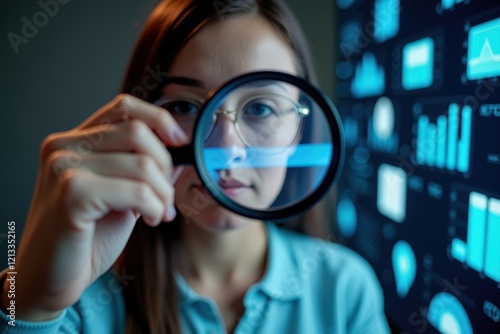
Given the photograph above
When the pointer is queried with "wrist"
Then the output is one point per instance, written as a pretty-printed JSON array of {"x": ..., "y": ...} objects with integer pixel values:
[{"x": 15, "y": 309}]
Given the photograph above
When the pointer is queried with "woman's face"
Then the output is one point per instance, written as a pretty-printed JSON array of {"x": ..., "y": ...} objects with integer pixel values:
[{"x": 217, "y": 53}]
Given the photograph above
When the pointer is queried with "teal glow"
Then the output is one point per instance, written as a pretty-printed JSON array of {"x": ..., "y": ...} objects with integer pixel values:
[
  {"x": 346, "y": 217},
  {"x": 450, "y": 4},
  {"x": 458, "y": 249},
  {"x": 481, "y": 252},
  {"x": 350, "y": 35},
  {"x": 386, "y": 16},
  {"x": 492, "y": 260},
  {"x": 448, "y": 315},
  {"x": 476, "y": 230},
  {"x": 381, "y": 127},
  {"x": 404, "y": 266},
  {"x": 465, "y": 139},
  {"x": 451, "y": 154},
  {"x": 351, "y": 131},
  {"x": 441, "y": 142},
  {"x": 369, "y": 78},
  {"x": 423, "y": 123},
  {"x": 418, "y": 64},
  {"x": 391, "y": 192},
  {"x": 447, "y": 4},
  {"x": 431, "y": 144},
  {"x": 483, "y": 55},
  {"x": 438, "y": 143},
  {"x": 344, "y": 4}
]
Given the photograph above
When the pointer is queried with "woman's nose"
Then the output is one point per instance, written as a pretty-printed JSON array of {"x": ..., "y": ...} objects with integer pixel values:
[{"x": 225, "y": 139}]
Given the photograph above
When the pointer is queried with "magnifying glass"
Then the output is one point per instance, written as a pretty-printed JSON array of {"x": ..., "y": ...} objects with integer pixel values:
[{"x": 266, "y": 145}]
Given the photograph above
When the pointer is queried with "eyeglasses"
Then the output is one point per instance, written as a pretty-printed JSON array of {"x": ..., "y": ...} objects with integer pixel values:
[{"x": 262, "y": 120}]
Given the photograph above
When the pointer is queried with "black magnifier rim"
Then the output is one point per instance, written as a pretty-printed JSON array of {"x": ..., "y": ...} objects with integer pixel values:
[{"x": 297, "y": 207}]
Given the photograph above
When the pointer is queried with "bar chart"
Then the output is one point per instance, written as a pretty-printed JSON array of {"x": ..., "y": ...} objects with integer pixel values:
[
  {"x": 478, "y": 245},
  {"x": 445, "y": 141}
]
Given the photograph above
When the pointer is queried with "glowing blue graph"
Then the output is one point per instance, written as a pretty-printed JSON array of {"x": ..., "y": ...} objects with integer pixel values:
[
  {"x": 391, "y": 192},
  {"x": 483, "y": 56},
  {"x": 404, "y": 266},
  {"x": 381, "y": 127},
  {"x": 386, "y": 16},
  {"x": 346, "y": 217},
  {"x": 369, "y": 77},
  {"x": 418, "y": 64},
  {"x": 441, "y": 144},
  {"x": 448, "y": 315},
  {"x": 482, "y": 249}
]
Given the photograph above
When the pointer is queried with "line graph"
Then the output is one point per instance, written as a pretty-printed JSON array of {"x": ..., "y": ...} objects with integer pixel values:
[{"x": 483, "y": 56}]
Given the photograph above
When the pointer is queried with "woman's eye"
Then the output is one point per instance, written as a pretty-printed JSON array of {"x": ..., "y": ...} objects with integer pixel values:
[
  {"x": 258, "y": 109},
  {"x": 182, "y": 107}
]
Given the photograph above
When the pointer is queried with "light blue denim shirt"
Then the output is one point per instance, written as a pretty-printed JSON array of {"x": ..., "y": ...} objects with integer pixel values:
[{"x": 310, "y": 286}]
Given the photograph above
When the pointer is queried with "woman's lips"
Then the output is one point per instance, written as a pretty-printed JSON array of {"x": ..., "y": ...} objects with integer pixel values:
[
  {"x": 234, "y": 191},
  {"x": 233, "y": 187}
]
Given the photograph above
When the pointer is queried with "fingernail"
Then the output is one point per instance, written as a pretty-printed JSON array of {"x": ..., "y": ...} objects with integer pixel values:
[
  {"x": 180, "y": 136},
  {"x": 171, "y": 213},
  {"x": 176, "y": 173},
  {"x": 165, "y": 217},
  {"x": 149, "y": 220}
]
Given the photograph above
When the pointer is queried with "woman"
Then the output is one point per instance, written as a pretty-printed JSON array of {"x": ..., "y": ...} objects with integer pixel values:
[{"x": 202, "y": 268}]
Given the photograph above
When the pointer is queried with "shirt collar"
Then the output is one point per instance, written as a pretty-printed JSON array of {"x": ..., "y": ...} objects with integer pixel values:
[{"x": 280, "y": 280}]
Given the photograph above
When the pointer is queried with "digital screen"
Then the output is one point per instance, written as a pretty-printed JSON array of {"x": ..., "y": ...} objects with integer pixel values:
[{"x": 418, "y": 90}]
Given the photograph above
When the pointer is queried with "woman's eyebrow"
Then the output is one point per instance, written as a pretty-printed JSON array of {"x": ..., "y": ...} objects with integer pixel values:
[
  {"x": 184, "y": 81},
  {"x": 276, "y": 84}
]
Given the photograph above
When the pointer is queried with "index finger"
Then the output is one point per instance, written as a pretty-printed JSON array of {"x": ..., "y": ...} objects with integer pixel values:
[{"x": 127, "y": 107}]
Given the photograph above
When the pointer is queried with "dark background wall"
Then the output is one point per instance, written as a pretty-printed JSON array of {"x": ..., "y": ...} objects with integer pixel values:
[{"x": 73, "y": 64}]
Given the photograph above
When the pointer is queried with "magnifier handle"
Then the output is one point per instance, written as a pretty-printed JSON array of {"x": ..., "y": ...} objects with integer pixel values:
[{"x": 183, "y": 155}]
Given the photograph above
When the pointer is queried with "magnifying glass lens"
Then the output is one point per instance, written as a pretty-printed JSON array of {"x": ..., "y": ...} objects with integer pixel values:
[{"x": 267, "y": 145}]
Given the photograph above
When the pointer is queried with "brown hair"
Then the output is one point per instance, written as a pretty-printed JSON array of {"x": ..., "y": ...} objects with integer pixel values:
[{"x": 152, "y": 254}]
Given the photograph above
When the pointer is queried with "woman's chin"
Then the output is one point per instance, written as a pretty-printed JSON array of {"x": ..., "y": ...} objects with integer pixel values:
[{"x": 218, "y": 219}]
